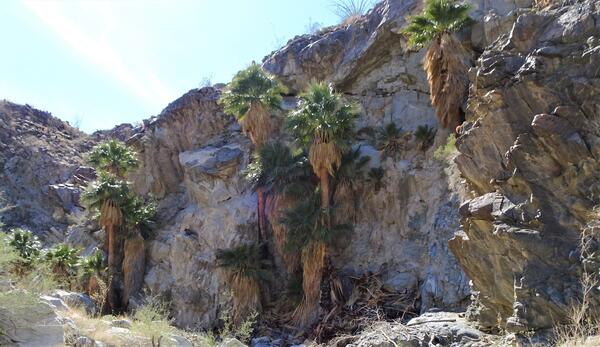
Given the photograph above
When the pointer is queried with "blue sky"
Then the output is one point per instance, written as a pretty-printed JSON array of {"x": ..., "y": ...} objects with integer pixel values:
[{"x": 98, "y": 63}]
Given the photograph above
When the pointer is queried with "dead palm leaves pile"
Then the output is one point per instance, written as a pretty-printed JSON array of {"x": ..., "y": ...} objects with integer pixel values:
[{"x": 369, "y": 301}]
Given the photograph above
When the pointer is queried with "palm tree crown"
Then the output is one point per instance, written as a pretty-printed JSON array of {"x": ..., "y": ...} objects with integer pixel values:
[
  {"x": 279, "y": 170},
  {"x": 114, "y": 157},
  {"x": 325, "y": 123},
  {"x": 439, "y": 16},
  {"x": 249, "y": 97}
]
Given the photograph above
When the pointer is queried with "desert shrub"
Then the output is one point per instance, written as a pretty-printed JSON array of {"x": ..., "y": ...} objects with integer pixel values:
[
  {"x": 444, "y": 152},
  {"x": 243, "y": 331},
  {"x": 425, "y": 135},
  {"x": 151, "y": 320}
]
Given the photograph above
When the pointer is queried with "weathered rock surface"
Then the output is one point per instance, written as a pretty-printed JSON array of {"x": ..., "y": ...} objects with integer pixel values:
[
  {"x": 530, "y": 152},
  {"x": 192, "y": 157},
  {"x": 40, "y": 170}
]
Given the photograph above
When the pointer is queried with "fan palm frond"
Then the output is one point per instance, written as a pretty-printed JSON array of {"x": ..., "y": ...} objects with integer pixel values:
[
  {"x": 250, "y": 97},
  {"x": 114, "y": 157}
]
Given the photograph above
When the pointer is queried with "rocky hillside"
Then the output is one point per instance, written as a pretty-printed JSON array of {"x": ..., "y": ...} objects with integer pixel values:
[
  {"x": 502, "y": 217},
  {"x": 40, "y": 170}
]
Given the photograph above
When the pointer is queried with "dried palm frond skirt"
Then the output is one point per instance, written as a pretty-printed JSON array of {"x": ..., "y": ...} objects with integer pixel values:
[
  {"x": 276, "y": 205},
  {"x": 313, "y": 262},
  {"x": 246, "y": 297},
  {"x": 257, "y": 123},
  {"x": 446, "y": 66}
]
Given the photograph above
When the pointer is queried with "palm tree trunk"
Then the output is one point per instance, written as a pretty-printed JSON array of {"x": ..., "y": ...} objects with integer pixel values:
[
  {"x": 325, "y": 197},
  {"x": 110, "y": 234},
  {"x": 112, "y": 298},
  {"x": 262, "y": 232}
]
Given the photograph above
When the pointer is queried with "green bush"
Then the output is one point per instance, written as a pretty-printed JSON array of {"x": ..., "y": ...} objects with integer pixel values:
[
  {"x": 25, "y": 243},
  {"x": 64, "y": 262},
  {"x": 151, "y": 320},
  {"x": 444, "y": 152}
]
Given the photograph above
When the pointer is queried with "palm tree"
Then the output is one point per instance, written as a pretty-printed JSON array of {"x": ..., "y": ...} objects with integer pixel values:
[
  {"x": 325, "y": 124},
  {"x": 113, "y": 157},
  {"x": 309, "y": 232},
  {"x": 250, "y": 97},
  {"x": 445, "y": 61},
  {"x": 109, "y": 195},
  {"x": 284, "y": 176},
  {"x": 348, "y": 179},
  {"x": 92, "y": 268},
  {"x": 246, "y": 268}
]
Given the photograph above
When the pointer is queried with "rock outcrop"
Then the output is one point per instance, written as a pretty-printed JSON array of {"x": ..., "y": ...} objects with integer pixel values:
[
  {"x": 530, "y": 151},
  {"x": 41, "y": 170},
  {"x": 192, "y": 157}
]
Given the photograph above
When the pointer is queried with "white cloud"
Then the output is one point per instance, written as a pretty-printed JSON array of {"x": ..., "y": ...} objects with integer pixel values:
[{"x": 93, "y": 44}]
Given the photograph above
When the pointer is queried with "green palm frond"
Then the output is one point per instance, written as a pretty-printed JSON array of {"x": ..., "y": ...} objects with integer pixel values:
[
  {"x": 438, "y": 17},
  {"x": 278, "y": 169},
  {"x": 251, "y": 85},
  {"x": 323, "y": 113},
  {"x": 247, "y": 260},
  {"x": 107, "y": 187},
  {"x": 376, "y": 175},
  {"x": 114, "y": 157},
  {"x": 305, "y": 222},
  {"x": 425, "y": 135},
  {"x": 27, "y": 245},
  {"x": 94, "y": 264},
  {"x": 352, "y": 168},
  {"x": 138, "y": 214},
  {"x": 63, "y": 256}
]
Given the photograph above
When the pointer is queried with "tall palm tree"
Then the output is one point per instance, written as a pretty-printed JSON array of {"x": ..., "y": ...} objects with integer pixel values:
[
  {"x": 325, "y": 124},
  {"x": 112, "y": 197},
  {"x": 349, "y": 178},
  {"x": 284, "y": 176},
  {"x": 309, "y": 232},
  {"x": 250, "y": 97},
  {"x": 445, "y": 61}
]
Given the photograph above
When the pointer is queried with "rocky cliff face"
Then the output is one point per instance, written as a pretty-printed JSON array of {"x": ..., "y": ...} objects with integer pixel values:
[
  {"x": 522, "y": 190},
  {"x": 193, "y": 155},
  {"x": 41, "y": 170},
  {"x": 529, "y": 152}
]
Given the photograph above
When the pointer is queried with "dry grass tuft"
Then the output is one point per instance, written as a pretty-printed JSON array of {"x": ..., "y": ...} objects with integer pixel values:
[{"x": 583, "y": 329}]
